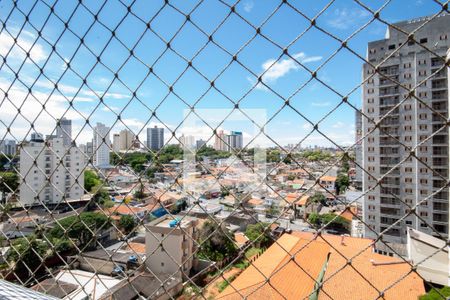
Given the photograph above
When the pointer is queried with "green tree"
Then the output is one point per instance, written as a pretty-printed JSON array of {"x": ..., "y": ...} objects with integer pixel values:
[
  {"x": 127, "y": 223},
  {"x": 435, "y": 295},
  {"x": 91, "y": 180},
  {"x": 215, "y": 242},
  {"x": 4, "y": 211},
  {"x": 334, "y": 221},
  {"x": 318, "y": 198},
  {"x": 80, "y": 227},
  {"x": 316, "y": 155},
  {"x": 108, "y": 204},
  {"x": 27, "y": 254},
  {"x": 342, "y": 182},
  {"x": 4, "y": 159},
  {"x": 140, "y": 192},
  {"x": 259, "y": 234},
  {"x": 100, "y": 196},
  {"x": 9, "y": 182}
]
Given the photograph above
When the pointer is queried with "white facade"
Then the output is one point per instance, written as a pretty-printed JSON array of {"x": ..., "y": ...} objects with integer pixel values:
[
  {"x": 404, "y": 123},
  {"x": 116, "y": 142},
  {"x": 187, "y": 141},
  {"x": 63, "y": 166},
  {"x": 64, "y": 131},
  {"x": 175, "y": 255},
  {"x": 101, "y": 144},
  {"x": 126, "y": 139}
]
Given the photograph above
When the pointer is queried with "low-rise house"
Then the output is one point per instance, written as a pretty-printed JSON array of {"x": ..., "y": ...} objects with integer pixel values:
[
  {"x": 328, "y": 183},
  {"x": 320, "y": 270},
  {"x": 146, "y": 285},
  {"x": 77, "y": 285},
  {"x": 241, "y": 239},
  {"x": 107, "y": 261}
]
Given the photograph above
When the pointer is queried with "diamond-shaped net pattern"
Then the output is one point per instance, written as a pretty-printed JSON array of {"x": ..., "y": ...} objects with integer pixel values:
[{"x": 108, "y": 192}]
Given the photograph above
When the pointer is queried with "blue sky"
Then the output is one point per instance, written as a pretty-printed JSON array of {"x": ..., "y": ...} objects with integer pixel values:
[{"x": 70, "y": 62}]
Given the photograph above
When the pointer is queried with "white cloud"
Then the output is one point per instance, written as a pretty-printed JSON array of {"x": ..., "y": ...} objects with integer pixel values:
[
  {"x": 306, "y": 126},
  {"x": 346, "y": 18},
  {"x": 248, "y": 6},
  {"x": 321, "y": 104},
  {"x": 277, "y": 69},
  {"x": 20, "y": 47},
  {"x": 109, "y": 108},
  {"x": 32, "y": 111},
  {"x": 339, "y": 124},
  {"x": 106, "y": 95}
]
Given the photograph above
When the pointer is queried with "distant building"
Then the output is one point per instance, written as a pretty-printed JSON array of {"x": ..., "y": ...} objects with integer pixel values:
[
  {"x": 8, "y": 147},
  {"x": 37, "y": 137},
  {"x": 220, "y": 141},
  {"x": 228, "y": 142},
  {"x": 170, "y": 248},
  {"x": 64, "y": 182},
  {"x": 200, "y": 143},
  {"x": 64, "y": 130},
  {"x": 155, "y": 138},
  {"x": 116, "y": 142},
  {"x": 235, "y": 141},
  {"x": 126, "y": 139},
  {"x": 187, "y": 141},
  {"x": 101, "y": 144},
  {"x": 87, "y": 149}
]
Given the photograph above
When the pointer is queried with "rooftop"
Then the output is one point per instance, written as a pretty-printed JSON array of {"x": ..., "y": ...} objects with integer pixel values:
[
  {"x": 327, "y": 255},
  {"x": 168, "y": 221}
]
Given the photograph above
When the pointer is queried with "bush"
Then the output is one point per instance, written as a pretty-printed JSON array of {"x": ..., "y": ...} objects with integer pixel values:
[
  {"x": 127, "y": 223},
  {"x": 91, "y": 180},
  {"x": 434, "y": 295},
  {"x": 258, "y": 234},
  {"x": 336, "y": 222},
  {"x": 223, "y": 285},
  {"x": 215, "y": 242},
  {"x": 27, "y": 254},
  {"x": 80, "y": 227}
]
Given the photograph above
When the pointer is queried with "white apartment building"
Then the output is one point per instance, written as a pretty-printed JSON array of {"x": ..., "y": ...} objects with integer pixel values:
[
  {"x": 58, "y": 174},
  {"x": 402, "y": 127},
  {"x": 126, "y": 139},
  {"x": 64, "y": 130},
  {"x": 116, "y": 142},
  {"x": 101, "y": 146},
  {"x": 169, "y": 248}
]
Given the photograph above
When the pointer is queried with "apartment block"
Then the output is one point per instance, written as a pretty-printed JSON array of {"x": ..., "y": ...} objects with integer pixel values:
[
  {"x": 170, "y": 244},
  {"x": 407, "y": 68},
  {"x": 155, "y": 138},
  {"x": 126, "y": 139},
  {"x": 101, "y": 146},
  {"x": 64, "y": 130},
  {"x": 8, "y": 147},
  {"x": 228, "y": 142},
  {"x": 51, "y": 172}
]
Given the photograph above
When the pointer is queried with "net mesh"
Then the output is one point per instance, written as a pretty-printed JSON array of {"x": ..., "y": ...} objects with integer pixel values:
[{"x": 88, "y": 210}]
